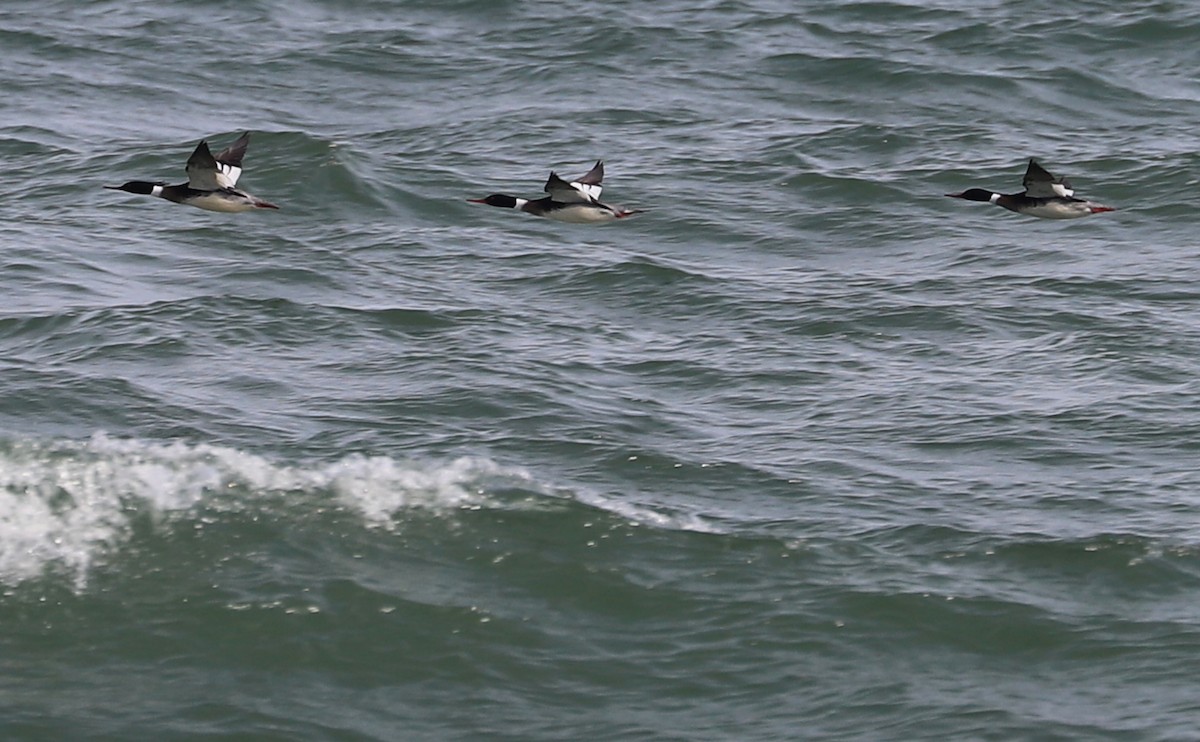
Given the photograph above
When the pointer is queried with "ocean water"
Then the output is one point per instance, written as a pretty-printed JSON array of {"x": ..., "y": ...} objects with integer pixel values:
[{"x": 805, "y": 451}]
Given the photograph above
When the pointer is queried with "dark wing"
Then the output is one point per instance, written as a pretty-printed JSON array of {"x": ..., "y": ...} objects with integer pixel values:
[
  {"x": 229, "y": 161},
  {"x": 1040, "y": 183},
  {"x": 584, "y": 190},
  {"x": 202, "y": 169},
  {"x": 594, "y": 176},
  {"x": 569, "y": 193}
]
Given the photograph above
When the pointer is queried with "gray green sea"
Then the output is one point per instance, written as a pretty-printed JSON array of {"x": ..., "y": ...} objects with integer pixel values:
[{"x": 806, "y": 451}]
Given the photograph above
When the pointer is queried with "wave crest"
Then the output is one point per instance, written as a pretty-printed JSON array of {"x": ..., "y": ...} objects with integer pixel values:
[{"x": 64, "y": 505}]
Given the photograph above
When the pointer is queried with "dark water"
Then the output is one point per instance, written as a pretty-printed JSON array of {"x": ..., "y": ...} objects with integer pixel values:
[{"x": 806, "y": 451}]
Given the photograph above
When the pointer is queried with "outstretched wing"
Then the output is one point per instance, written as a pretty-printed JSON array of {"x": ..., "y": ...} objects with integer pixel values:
[
  {"x": 229, "y": 161},
  {"x": 1039, "y": 183},
  {"x": 584, "y": 190},
  {"x": 594, "y": 175},
  {"x": 202, "y": 169},
  {"x": 208, "y": 173}
]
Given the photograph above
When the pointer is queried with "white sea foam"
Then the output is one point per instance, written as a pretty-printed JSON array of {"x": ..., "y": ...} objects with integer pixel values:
[
  {"x": 63, "y": 505},
  {"x": 644, "y": 515}
]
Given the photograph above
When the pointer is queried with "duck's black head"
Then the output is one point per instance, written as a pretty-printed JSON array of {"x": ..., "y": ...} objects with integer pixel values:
[
  {"x": 140, "y": 187},
  {"x": 496, "y": 199},
  {"x": 973, "y": 194}
]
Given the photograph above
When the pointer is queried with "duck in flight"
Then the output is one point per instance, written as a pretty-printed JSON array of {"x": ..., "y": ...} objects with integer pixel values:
[
  {"x": 576, "y": 201},
  {"x": 211, "y": 181},
  {"x": 1044, "y": 196}
]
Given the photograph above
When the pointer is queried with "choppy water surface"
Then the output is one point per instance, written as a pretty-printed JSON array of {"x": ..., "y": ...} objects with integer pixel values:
[{"x": 806, "y": 451}]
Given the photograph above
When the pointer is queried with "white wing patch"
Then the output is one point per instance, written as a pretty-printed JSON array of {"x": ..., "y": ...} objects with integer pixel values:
[
  {"x": 1040, "y": 183},
  {"x": 574, "y": 193},
  {"x": 227, "y": 175},
  {"x": 1063, "y": 188},
  {"x": 1047, "y": 189},
  {"x": 583, "y": 191},
  {"x": 571, "y": 193},
  {"x": 208, "y": 173},
  {"x": 592, "y": 192}
]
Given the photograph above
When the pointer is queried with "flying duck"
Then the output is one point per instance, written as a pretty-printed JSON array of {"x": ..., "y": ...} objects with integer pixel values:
[
  {"x": 576, "y": 201},
  {"x": 211, "y": 181},
  {"x": 1044, "y": 196}
]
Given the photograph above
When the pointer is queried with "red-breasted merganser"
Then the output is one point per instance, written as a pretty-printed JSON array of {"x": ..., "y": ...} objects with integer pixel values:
[
  {"x": 211, "y": 181},
  {"x": 1045, "y": 196},
  {"x": 576, "y": 201}
]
